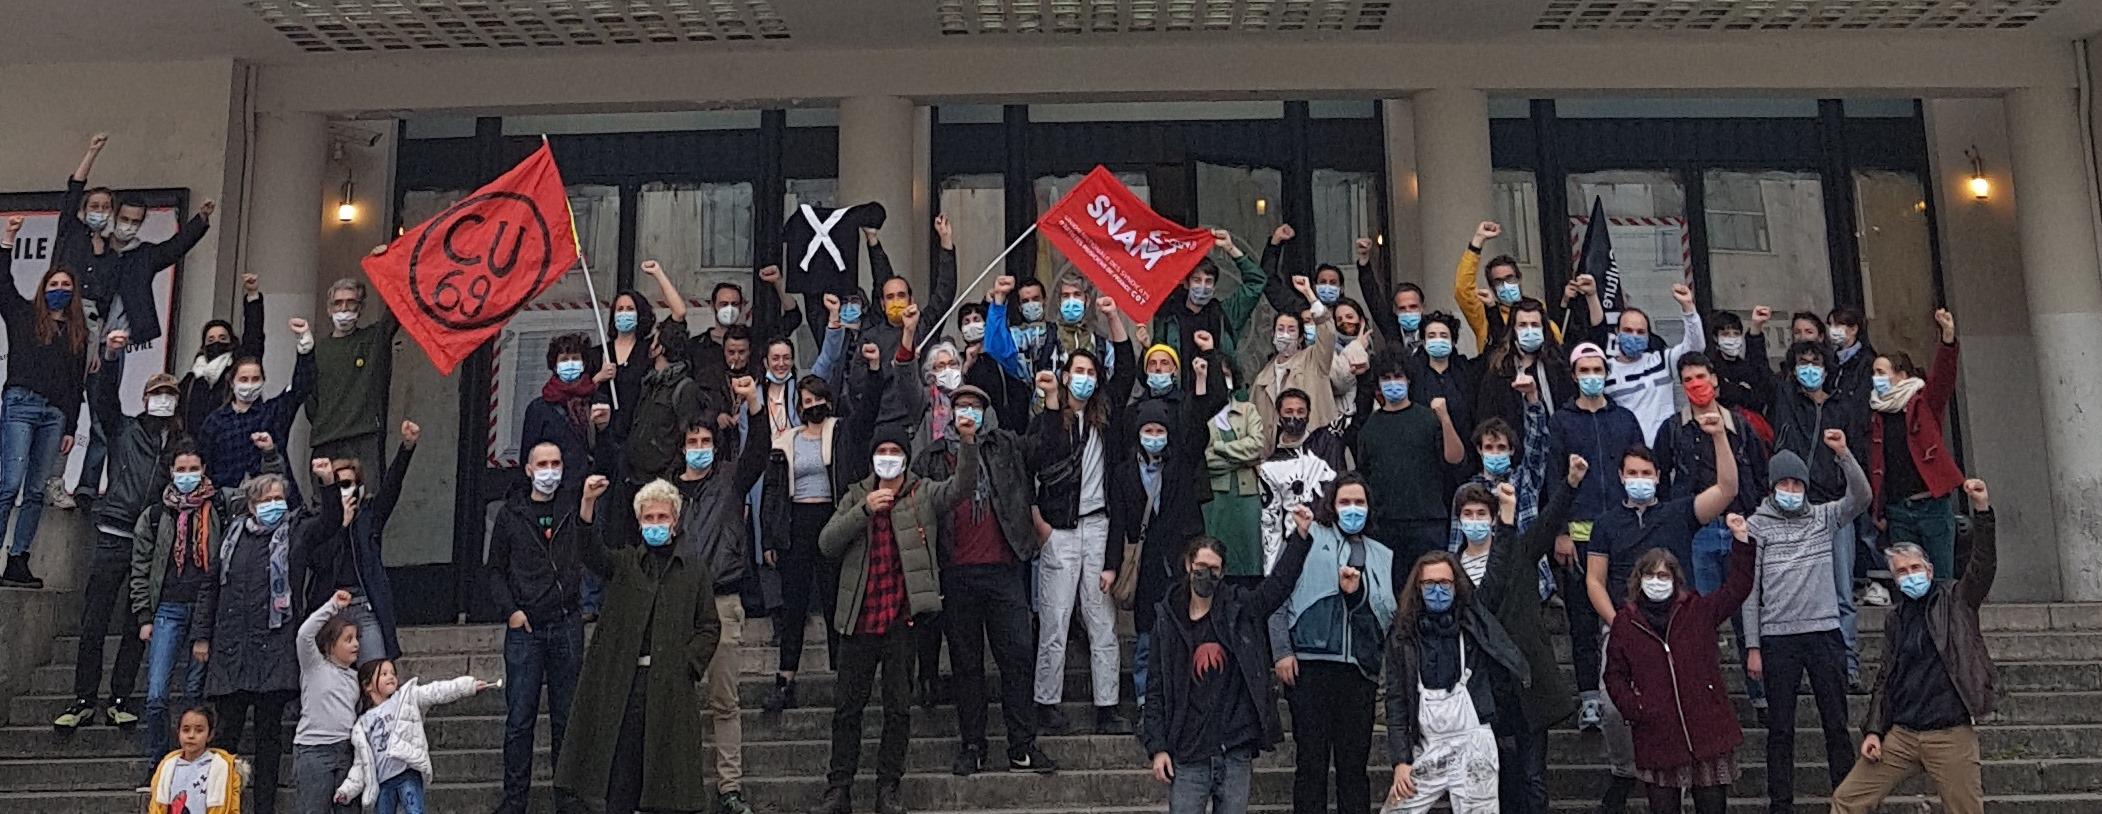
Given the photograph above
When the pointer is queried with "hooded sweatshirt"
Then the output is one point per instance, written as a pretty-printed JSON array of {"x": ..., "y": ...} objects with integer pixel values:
[{"x": 1792, "y": 586}]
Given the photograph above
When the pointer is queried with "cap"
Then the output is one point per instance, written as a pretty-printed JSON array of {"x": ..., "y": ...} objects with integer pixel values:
[
  {"x": 161, "y": 381},
  {"x": 1586, "y": 350}
]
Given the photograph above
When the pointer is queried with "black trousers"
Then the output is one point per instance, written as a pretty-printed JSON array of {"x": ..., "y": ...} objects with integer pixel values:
[
  {"x": 1823, "y": 655},
  {"x": 267, "y": 711},
  {"x": 808, "y": 579},
  {"x": 860, "y": 657},
  {"x": 107, "y": 577},
  {"x": 988, "y": 608},
  {"x": 1584, "y": 653},
  {"x": 624, "y": 785},
  {"x": 1332, "y": 710},
  {"x": 1522, "y": 779},
  {"x": 1706, "y": 799}
]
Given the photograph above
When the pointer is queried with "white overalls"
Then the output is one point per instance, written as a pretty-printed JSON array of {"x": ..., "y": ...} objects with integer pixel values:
[{"x": 1459, "y": 752}]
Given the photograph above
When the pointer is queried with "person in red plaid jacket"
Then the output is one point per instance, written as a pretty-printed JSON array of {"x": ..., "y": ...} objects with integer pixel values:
[{"x": 883, "y": 535}]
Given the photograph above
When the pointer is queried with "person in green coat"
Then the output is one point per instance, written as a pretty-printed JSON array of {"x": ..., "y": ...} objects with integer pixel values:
[
  {"x": 1195, "y": 306},
  {"x": 1239, "y": 440}
]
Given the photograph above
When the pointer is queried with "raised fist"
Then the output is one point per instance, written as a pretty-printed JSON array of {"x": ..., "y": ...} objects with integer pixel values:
[
  {"x": 118, "y": 340},
  {"x": 1488, "y": 230},
  {"x": 652, "y": 268},
  {"x": 1507, "y": 494},
  {"x": 770, "y": 275},
  {"x": 595, "y": 486},
  {"x": 208, "y": 208},
  {"x": 1682, "y": 293},
  {"x": 323, "y": 469},
  {"x": 1760, "y": 315},
  {"x": 1711, "y": 424},
  {"x": 410, "y": 433},
  {"x": 946, "y": 232},
  {"x": 98, "y": 141},
  {"x": 251, "y": 284},
  {"x": 297, "y": 324},
  {"x": 1578, "y": 468},
  {"x": 1204, "y": 341},
  {"x": 1836, "y": 440},
  {"x": 1738, "y": 527},
  {"x": 1362, "y": 250},
  {"x": 1107, "y": 306},
  {"x": 262, "y": 441},
  {"x": 1980, "y": 499}
]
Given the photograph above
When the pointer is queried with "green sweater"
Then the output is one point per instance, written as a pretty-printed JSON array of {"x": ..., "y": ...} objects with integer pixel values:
[{"x": 351, "y": 377}]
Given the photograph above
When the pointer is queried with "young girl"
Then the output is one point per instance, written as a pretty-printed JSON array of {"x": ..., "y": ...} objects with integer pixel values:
[
  {"x": 196, "y": 779},
  {"x": 328, "y": 699},
  {"x": 393, "y": 757}
]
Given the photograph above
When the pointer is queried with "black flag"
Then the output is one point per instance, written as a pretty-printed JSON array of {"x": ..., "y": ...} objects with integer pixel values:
[{"x": 1597, "y": 259}]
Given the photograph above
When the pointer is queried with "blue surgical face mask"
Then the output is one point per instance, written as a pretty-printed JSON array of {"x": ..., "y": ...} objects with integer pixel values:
[
  {"x": 1591, "y": 385},
  {"x": 1201, "y": 294},
  {"x": 57, "y": 300},
  {"x": 1640, "y": 490},
  {"x": 1081, "y": 385},
  {"x": 656, "y": 535},
  {"x": 1394, "y": 391},
  {"x": 1153, "y": 443},
  {"x": 187, "y": 482},
  {"x": 1507, "y": 292},
  {"x": 1351, "y": 519},
  {"x": 1033, "y": 311},
  {"x": 98, "y": 221},
  {"x": 1633, "y": 345},
  {"x": 1438, "y": 347},
  {"x": 1160, "y": 382},
  {"x": 1811, "y": 377},
  {"x": 569, "y": 370},
  {"x": 1531, "y": 337},
  {"x": 270, "y": 512},
  {"x": 1437, "y": 598},
  {"x": 977, "y": 416},
  {"x": 1475, "y": 530},
  {"x": 1915, "y": 585},
  {"x": 625, "y": 321},
  {"x": 1071, "y": 309},
  {"x": 1496, "y": 463},
  {"x": 1788, "y": 501},
  {"x": 1306, "y": 336},
  {"x": 1880, "y": 383},
  {"x": 1328, "y": 293},
  {"x": 850, "y": 313},
  {"x": 1410, "y": 320},
  {"x": 699, "y": 459}
]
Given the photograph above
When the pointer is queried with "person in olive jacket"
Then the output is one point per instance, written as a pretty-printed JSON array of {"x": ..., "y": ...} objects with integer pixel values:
[{"x": 173, "y": 581}]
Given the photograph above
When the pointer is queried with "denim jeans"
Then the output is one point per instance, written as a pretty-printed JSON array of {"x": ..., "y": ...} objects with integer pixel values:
[
  {"x": 317, "y": 771},
  {"x": 1221, "y": 782},
  {"x": 1711, "y": 565},
  {"x": 98, "y": 436},
  {"x": 1141, "y": 654},
  {"x": 1843, "y": 583},
  {"x": 551, "y": 655},
  {"x": 28, "y": 447},
  {"x": 401, "y": 794},
  {"x": 1930, "y": 524},
  {"x": 169, "y": 649}
]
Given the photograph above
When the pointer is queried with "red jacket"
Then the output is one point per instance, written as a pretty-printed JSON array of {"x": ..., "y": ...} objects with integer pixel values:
[
  {"x": 1667, "y": 694},
  {"x": 1923, "y": 419}
]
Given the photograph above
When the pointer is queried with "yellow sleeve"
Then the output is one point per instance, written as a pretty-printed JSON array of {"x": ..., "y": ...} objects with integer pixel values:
[
  {"x": 233, "y": 789},
  {"x": 1463, "y": 288},
  {"x": 155, "y": 806}
]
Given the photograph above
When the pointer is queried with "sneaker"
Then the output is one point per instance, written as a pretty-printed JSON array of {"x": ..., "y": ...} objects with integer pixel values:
[
  {"x": 80, "y": 714},
  {"x": 783, "y": 696},
  {"x": 119, "y": 716},
  {"x": 18, "y": 574},
  {"x": 837, "y": 800},
  {"x": 55, "y": 495},
  {"x": 1876, "y": 595},
  {"x": 1035, "y": 762},
  {"x": 889, "y": 800},
  {"x": 1588, "y": 720},
  {"x": 1109, "y": 721},
  {"x": 1050, "y": 720},
  {"x": 970, "y": 760},
  {"x": 732, "y": 803}
]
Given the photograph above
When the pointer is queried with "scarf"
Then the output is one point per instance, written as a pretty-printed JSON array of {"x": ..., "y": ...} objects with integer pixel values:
[
  {"x": 938, "y": 414},
  {"x": 211, "y": 369},
  {"x": 1900, "y": 394},
  {"x": 1072, "y": 338},
  {"x": 280, "y": 564},
  {"x": 1438, "y": 639},
  {"x": 574, "y": 399},
  {"x": 1658, "y": 614},
  {"x": 193, "y": 525}
]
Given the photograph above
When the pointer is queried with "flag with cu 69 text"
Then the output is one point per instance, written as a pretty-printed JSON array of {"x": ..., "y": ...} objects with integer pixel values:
[
  {"x": 1135, "y": 256},
  {"x": 454, "y": 280}
]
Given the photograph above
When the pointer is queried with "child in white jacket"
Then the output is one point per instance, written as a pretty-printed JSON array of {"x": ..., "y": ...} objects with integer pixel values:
[{"x": 393, "y": 757}]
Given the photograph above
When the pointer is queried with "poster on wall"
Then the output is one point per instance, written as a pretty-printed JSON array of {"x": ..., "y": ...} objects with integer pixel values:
[{"x": 32, "y": 257}]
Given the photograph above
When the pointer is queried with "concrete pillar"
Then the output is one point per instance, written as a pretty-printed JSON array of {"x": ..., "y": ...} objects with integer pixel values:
[
  {"x": 281, "y": 235},
  {"x": 1453, "y": 180},
  {"x": 877, "y": 140},
  {"x": 2064, "y": 277},
  {"x": 1404, "y": 220}
]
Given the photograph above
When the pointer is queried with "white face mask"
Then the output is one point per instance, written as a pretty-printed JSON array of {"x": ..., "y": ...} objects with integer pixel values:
[
  {"x": 726, "y": 315},
  {"x": 949, "y": 378},
  {"x": 1731, "y": 346},
  {"x": 973, "y": 331},
  {"x": 160, "y": 405},
  {"x": 248, "y": 392},
  {"x": 1657, "y": 589},
  {"x": 889, "y": 467},
  {"x": 545, "y": 481},
  {"x": 345, "y": 320}
]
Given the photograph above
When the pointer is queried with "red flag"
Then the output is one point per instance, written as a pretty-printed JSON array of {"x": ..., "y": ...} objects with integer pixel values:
[
  {"x": 1133, "y": 254},
  {"x": 454, "y": 280}
]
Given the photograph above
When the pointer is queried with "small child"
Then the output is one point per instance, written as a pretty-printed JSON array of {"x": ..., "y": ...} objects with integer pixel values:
[
  {"x": 328, "y": 706},
  {"x": 393, "y": 758},
  {"x": 196, "y": 779}
]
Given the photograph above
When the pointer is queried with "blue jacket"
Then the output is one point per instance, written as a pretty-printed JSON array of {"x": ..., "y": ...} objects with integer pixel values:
[
  {"x": 1600, "y": 437},
  {"x": 1319, "y": 623}
]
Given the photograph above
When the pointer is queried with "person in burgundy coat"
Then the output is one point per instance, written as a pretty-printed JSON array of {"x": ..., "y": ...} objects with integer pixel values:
[
  {"x": 1911, "y": 467},
  {"x": 1663, "y": 672}
]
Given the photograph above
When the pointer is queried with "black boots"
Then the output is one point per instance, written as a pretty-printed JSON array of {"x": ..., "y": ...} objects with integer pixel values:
[{"x": 17, "y": 574}]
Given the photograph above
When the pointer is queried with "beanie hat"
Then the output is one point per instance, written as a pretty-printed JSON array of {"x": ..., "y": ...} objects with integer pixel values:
[
  {"x": 893, "y": 433},
  {"x": 1785, "y": 465}
]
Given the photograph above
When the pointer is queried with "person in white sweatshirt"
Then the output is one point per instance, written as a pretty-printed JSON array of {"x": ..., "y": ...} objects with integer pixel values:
[
  {"x": 328, "y": 699},
  {"x": 1643, "y": 377},
  {"x": 393, "y": 756}
]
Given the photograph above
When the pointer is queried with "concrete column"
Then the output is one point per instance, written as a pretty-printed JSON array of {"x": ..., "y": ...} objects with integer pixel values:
[
  {"x": 2064, "y": 278},
  {"x": 877, "y": 140},
  {"x": 1404, "y": 219},
  {"x": 281, "y": 235},
  {"x": 1453, "y": 180}
]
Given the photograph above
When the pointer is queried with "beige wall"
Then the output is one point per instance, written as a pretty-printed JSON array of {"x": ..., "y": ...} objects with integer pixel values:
[{"x": 2001, "y": 419}]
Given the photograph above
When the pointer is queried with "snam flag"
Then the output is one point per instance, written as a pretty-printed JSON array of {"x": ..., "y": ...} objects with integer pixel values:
[{"x": 1131, "y": 253}]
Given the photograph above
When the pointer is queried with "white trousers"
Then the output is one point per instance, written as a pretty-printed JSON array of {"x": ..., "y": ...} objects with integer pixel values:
[{"x": 1070, "y": 568}]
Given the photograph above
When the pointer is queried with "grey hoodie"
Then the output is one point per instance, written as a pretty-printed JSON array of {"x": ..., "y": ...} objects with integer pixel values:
[{"x": 1792, "y": 585}]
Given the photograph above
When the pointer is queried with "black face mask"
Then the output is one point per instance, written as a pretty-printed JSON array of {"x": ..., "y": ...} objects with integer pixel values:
[
  {"x": 1205, "y": 581},
  {"x": 1292, "y": 426},
  {"x": 817, "y": 412},
  {"x": 217, "y": 349}
]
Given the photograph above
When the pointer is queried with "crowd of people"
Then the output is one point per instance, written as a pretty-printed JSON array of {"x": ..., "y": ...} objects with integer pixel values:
[{"x": 1350, "y": 515}]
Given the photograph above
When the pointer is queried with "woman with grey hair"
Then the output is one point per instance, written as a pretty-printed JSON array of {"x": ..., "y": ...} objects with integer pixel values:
[{"x": 247, "y": 639}]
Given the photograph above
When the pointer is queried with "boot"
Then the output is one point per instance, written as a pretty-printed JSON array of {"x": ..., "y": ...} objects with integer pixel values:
[
  {"x": 1050, "y": 720},
  {"x": 783, "y": 696},
  {"x": 18, "y": 575},
  {"x": 888, "y": 799},
  {"x": 970, "y": 760},
  {"x": 1108, "y": 721},
  {"x": 838, "y": 800}
]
